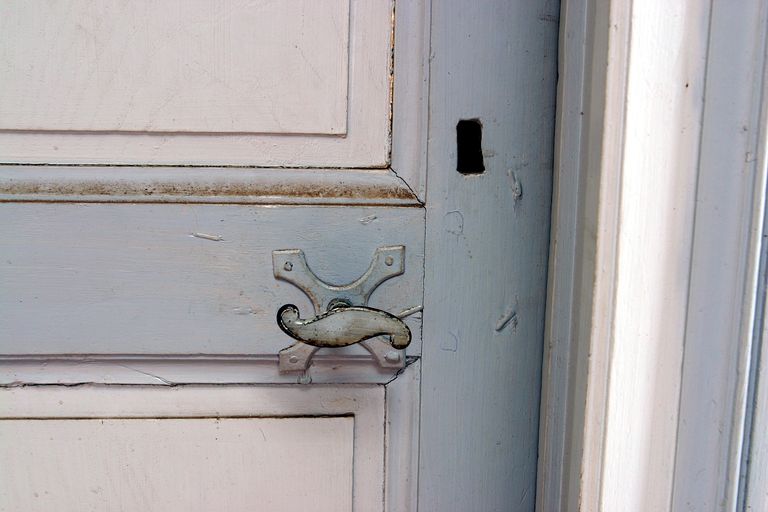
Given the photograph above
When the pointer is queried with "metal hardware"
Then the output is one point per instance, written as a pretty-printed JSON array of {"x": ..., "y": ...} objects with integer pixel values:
[
  {"x": 342, "y": 316},
  {"x": 343, "y": 326}
]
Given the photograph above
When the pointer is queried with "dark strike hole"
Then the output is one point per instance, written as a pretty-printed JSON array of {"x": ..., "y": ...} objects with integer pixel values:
[{"x": 469, "y": 148}]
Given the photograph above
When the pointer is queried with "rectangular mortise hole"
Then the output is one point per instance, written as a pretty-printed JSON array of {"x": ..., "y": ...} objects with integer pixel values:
[{"x": 469, "y": 147}]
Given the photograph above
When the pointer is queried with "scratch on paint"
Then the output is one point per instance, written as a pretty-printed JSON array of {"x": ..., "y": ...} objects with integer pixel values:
[
  {"x": 451, "y": 345},
  {"x": 162, "y": 380},
  {"x": 409, "y": 311},
  {"x": 367, "y": 220},
  {"x": 509, "y": 317},
  {"x": 206, "y": 236},
  {"x": 245, "y": 310},
  {"x": 454, "y": 222}
]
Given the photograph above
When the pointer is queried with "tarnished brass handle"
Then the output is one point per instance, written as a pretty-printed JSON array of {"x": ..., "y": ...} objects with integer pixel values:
[{"x": 343, "y": 325}]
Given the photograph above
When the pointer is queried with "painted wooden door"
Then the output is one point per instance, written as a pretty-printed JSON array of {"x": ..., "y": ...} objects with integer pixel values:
[{"x": 155, "y": 155}]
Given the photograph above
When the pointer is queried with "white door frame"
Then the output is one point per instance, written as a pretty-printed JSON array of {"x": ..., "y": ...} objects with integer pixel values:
[{"x": 657, "y": 231}]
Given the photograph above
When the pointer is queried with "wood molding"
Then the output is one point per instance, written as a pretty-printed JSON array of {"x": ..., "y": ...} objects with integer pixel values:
[
  {"x": 411, "y": 92},
  {"x": 728, "y": 238},
  {"x": 173, "y": 370},
  {"x": 583, "y": 251},
  {"x": 127, "y": 184},
  {"x": 654, "y": 261}
]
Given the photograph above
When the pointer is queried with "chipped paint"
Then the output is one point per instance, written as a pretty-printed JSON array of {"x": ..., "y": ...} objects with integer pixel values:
[
  {"x": 409, "y": 311},
  {"x": 508, "y": 318},
  {"x": 368, "y": 219},
  {"x": 245, "y": 310},
  {"x": 206, "y": 236},
  {"x": 515, "y": 185}
]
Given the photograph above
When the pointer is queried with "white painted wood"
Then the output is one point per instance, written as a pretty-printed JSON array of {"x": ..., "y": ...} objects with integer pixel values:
[
  {"x": 591, "y": 117},
  {"x": 662, "y": 112},
  {"x": 411, "y": 93},
  {"x": 597, "y": 255},
  {"x": 402, "y": 439},
  {"x": 175, "y": 464},
  {"x": 364, "y": 403},
  {"x": 562, "y": 304},
  {"x": 204, "y": 185},
  {"x": 286, "y": 99},
  {"x": 728, "y": 234},
  {"x": 755, "y": 471},
  {"x": 169, "y": 370},
  {"x": 668, "y": 200},
  {"x": 184, "y": 279},
  {"x": 487, "y": 240},
  {"x": 175, "y": 66}
]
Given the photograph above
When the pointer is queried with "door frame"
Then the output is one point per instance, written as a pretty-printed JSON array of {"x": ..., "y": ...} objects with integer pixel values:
[{"x": 660, "y": 143}]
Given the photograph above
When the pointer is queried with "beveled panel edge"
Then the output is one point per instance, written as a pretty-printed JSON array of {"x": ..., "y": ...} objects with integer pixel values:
[
  {"x": 141, "y": 184},
  {"x": 174, "y": 370},
  {"x": 411, "y": 93}
]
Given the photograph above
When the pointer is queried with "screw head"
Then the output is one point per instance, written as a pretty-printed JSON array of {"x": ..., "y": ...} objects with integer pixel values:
[
  {"x": 293, "y": 359},
  {"x": 392, "y": 356},
  {"x": 389, "y": 260},
  {"x": 288, "y": 266}
]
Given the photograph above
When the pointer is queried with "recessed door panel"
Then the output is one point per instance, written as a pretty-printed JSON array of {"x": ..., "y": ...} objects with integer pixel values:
[
  {"x": 192, "y": 448},
  {"x": 285, "y": 83},
  {"x": 182, "y": 464},
  {"x": 175, "y": 66}
]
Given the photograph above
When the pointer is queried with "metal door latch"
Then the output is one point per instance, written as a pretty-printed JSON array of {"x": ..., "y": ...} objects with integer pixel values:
[{"x": 342, "y": 316}]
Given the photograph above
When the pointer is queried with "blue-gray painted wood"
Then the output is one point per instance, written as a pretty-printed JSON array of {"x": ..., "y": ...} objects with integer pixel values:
[
  {"x": 156, "y": 279},
  {"x": 486, "y": 254}
]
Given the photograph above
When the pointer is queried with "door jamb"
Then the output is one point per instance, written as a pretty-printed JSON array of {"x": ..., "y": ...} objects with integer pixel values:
[{"x": 702, "y": 141}]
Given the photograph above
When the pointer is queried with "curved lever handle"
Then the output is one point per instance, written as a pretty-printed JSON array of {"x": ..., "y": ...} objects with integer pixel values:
[{"x": 343, "y": 326}]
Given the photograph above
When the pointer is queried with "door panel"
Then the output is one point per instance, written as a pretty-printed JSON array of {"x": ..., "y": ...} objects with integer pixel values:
[
  {"x": 155, "y": 279},
  {"x": 175, "y": 66},
  {"x": 236, "y": 447},
  {"x": 192, "y": 464},
  {"x": 287, "y": 83},
  {"x": 136, "y": 273}
]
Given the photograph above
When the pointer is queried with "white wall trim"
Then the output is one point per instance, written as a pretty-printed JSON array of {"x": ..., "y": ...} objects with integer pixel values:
[
  {"x": 582, "y": 251},
  {"x": 753, "y": 493},
  {"x": 560, "y": 314},
  {"x": 653, "y": 267},
  {"x": 730, "y": 203}
]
